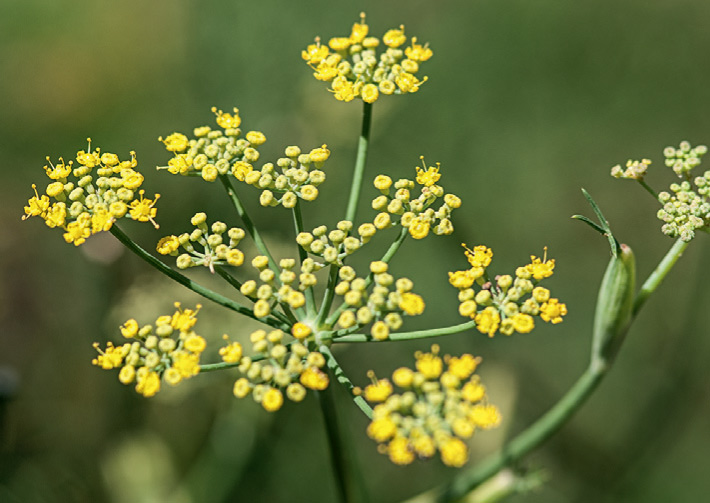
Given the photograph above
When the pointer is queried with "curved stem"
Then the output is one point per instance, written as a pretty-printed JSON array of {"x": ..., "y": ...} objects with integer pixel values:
[
  {"x": 534, "y": 435},
  {"x": 558, "y": 415},
  {"x": 360, "y": 161},
  {"x": 187, "y": 282}
]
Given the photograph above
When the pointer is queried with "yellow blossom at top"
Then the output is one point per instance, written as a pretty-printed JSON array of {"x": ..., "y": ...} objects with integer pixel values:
[
  {"x": 540, "y": 269},
  {"x": 480, "y": 256},
  {"x": 429, "y": 364},
  {"x": 428, "y": 176},
  {"x": 358, "y": 67},
  {"x": 176, "y": 142},
  {"x": 227, "y": 120}
]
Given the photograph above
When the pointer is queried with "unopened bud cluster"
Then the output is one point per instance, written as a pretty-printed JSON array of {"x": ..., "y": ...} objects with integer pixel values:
[
  {"x": 683, "y": 159},
  {"x": 220, "y": 152},
  {"x": 397, "y": 204},
  {"x": 277, "y": 368},
  {"x": 335, "y": 245},
  {"x": 441, "y": 404},
  {"x": 169, "y": 350},
  {"x": 294, "y": 177},
  {"x": 355, "y": 68},
  {"x": 508, "y": 304},
  {"x": 284, "y": 287},
  {"x": 383, "y": 306},
  {"x": 635, "y": 170},
  {"x": 205, "y": 245},
  {"x": 90, "y": 197},
  {"x": 686, "y": 206}
]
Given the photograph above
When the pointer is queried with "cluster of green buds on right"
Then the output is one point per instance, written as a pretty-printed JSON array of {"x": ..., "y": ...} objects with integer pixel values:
[
  {"x": 509, "y": 304},
  {"x": 686, "y": 205},
  {"x": 210, "y": 239}
]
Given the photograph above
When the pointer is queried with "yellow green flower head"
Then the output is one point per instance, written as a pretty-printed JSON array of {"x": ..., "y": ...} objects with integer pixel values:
[
  {"x": 89, "y": 198},
  {"x": 437, "y": 408},
  {"x": 223, "y": 152},
  {"x": 357, "y": 66},
  {"x": 397, "y": 203},
  {"x": 205, "y": 245},
  {"x": 277, "y": 368},
  {"x": 169, "y": 350},
  {"x": 508, "y": 304},
  {"x": 383, "y": 302}
]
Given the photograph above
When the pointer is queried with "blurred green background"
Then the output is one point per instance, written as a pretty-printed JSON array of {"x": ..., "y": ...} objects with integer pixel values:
[{"x": 526, "y": 102}]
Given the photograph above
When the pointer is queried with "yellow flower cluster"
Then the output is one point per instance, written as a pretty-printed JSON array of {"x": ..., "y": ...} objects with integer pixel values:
[
  {"x": 170, "y": 350},
  {"x": 382, "y": 306},
  {"x": 272, "y": 288},
  {"x": 277, "y": 367},
  {"x": 414, "y": 212},
  {"x": 90, "y": 197},
  {"x": 510, "y": 304},
  {"x": 441, "y": 405},
  {"x": 211, "y": 241},
  {"x": 213, "y": 152},
  {"x": 335, "y": 245},
  {"x": 297, "y": 177},
  {"x": 355, "y": 68},
  {"x": 218, "y": 152}
]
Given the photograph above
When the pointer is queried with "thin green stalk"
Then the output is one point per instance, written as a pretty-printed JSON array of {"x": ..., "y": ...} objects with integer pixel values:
[
  {"x": 558, "y": 415},
  {"x": 254, "y": 233},
  {"x": 657, "y": 276},
  {"x": 303, "y": 255},
  {"x": 335, "y": 445},
  {"x": 328, "y": 296},
  {"x": 251, "y": 229},
  {"x": 649, "y": 189},
  {"x": 339, "y": 374},
  {"x": 187, "y": 282},
  {"x": 408, "y": 336},
  {"x": 360, "y": 161}
]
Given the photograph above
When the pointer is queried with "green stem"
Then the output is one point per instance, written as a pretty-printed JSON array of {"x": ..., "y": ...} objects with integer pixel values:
[
  {"x": 187, "y": 282},
  {"x": 408, "y": 336},
  {"x": 657, "y": 276},
  {"x": 340, "y": 376},
  {"x": 303, "y": 255},
  {"x": 558, "y": 415},
  {"x": 649, "y": 189},
  {"x": 335, "y": 445},
  {"x": 360, "y": 161},
  {"x": 534, "y": 435},
  {"x": 251, "y": 229},
  {"x": 328, "y": 296}
]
